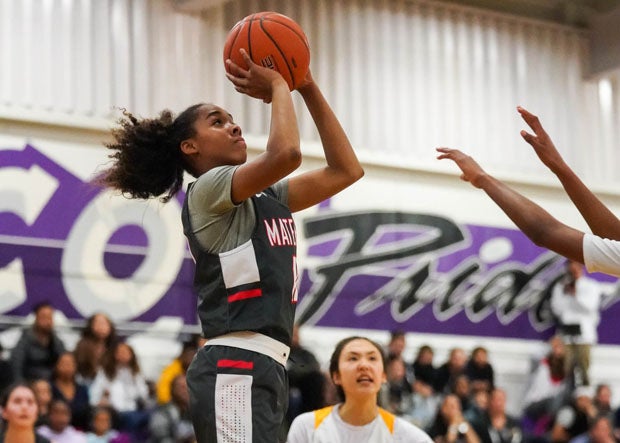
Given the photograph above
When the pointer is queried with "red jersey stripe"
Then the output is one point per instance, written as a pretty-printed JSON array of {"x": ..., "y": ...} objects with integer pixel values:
[
  {"x": 242, "y": 295},
  {"x": 239, "y": 364}
]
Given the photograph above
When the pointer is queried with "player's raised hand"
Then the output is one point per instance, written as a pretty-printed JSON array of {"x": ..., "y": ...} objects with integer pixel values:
[
  {"x": 256, "y": 81},
  {"x": 472, "y": 172},
  {"x": 540, "y": 141}
]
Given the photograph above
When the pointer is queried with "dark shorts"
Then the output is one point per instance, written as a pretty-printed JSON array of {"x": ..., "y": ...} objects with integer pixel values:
[{"x": 236, "y": 396}]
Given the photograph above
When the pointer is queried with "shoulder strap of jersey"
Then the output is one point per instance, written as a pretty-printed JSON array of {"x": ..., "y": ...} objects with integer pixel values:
[
  {"x": 320, "y": 414},
  {"x": 388, "y": 419}
]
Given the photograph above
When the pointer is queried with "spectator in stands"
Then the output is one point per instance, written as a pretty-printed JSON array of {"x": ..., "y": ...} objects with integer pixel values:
[
  {"x": 461, "y": 388},
  {"x": 397, "y": 344},
  {"x": 447, "y": 373},
  {"x": 66, "y": 387},
  {"x": 171, "y": 422},
  {"x": 397, "y": 390},
  {"x": 178, "y": 366},
  {"x": 573, "y": 419},
  {"x": 121, "y": 385},
  {"x": 59, "y": 429},
  {"x": 423, "y": 368},
  {"x": 479, "y": 370},
  {"x": 599, "y": 431},
  {"x": 6, "y": 371},
  {"x": 98, "y": 336},
  {"x": 450, "y": 426},
  {"x": 19, "y": 410},
  {"x": 306, "y": 380},
  {"x": 38, "y": 348},
  {"x": 478, "y": 406},
  {"x": 396, "y": 347},
  {"x": 547, "y": 390},
  {"x": 42, "y": 389},
  {"x": 101, "y": 430},
  {"x": 602, "y": 401},
  {"x": 575, "y": 303},
  {"x": 496, "y": 426},
  {"x": 422, "y": 406}
]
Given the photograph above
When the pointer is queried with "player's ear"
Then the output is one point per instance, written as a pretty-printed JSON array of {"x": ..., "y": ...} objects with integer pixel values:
[
  {"x": 336, "y": 378},
  {"x": 188, "y": 147}
]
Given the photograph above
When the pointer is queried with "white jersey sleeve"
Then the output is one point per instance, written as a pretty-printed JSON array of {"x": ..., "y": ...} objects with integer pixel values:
[{"x": 601, "y": 255}]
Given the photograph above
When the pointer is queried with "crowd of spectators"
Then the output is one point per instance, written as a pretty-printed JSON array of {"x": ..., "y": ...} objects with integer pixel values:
[{"x": 97, "y": 393}]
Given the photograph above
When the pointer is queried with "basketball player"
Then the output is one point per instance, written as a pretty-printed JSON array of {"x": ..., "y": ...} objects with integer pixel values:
[
  {"x": 357, "y": 368},
  {"x": 237, "y": 218},
  {"x": 599, "y": 251}
]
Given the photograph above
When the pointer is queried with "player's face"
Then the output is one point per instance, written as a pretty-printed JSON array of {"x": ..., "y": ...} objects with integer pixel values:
[
  {"x": 360, "y": 369},
  {"x": 218, "y": 139}
]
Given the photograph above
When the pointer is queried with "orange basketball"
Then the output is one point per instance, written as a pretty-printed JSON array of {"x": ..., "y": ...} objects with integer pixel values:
[{"x": 272, "y": 40}]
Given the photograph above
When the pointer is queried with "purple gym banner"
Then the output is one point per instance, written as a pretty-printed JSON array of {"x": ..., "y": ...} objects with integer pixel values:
[{"x": 86, "y": 250}]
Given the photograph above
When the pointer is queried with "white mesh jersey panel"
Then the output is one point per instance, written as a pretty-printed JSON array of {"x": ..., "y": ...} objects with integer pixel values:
[{"x": 233, "y": 408}]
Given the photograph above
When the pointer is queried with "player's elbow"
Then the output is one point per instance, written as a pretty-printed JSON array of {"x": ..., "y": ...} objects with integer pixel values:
[
  {"x": 358, "y": 173},
  {"x": 289, "y": 159},
  {"x": 292, "y": 156},
  {"x": 352, "y": 174}
]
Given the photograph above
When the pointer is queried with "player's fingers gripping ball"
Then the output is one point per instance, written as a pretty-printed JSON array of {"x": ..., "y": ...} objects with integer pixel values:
[{"x": 272, "y": 40}]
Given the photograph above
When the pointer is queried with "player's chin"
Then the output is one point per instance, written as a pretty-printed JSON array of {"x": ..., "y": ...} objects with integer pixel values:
[{"x": 240, "y": 159}]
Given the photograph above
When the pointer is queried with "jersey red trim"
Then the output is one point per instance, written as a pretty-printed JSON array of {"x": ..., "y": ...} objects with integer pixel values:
[
  {"x": 239, "y": 364},
  {"x": 242, "y": 295}
]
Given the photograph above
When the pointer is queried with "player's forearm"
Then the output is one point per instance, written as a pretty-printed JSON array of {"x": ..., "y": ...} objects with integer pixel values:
[
  {"x": 339, "y": 153},
  {"x": 599, "y": 218},
  {"x": 283, "y": 131},
  {"x": 532, "y": 219}
]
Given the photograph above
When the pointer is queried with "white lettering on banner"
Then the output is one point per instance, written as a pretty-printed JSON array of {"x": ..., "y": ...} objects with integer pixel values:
[
  {"x": 88, "y": 284},
  {"x": 26, "y": 201},
  {"x": 13, "y": 289}
]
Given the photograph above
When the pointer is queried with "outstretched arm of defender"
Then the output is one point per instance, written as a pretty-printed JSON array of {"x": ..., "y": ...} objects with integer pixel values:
[
  {"x": 540, "y": 226},
  {"x": 600, "y": 219}
]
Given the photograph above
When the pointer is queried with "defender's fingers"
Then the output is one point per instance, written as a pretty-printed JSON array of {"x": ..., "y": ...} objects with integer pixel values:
[
  {"x": 528, "y": 137},
  {"x": 531, "y": 120}
]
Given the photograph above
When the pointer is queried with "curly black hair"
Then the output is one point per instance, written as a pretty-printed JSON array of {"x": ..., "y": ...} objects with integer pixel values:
[{"x": 147, "y": 157}]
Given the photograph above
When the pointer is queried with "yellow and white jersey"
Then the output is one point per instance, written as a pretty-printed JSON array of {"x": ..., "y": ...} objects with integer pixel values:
[{"x": 326, "y": 426}]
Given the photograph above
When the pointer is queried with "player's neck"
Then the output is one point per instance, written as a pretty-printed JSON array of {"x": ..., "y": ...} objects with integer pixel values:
[{"x": 359, "y": 412}]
